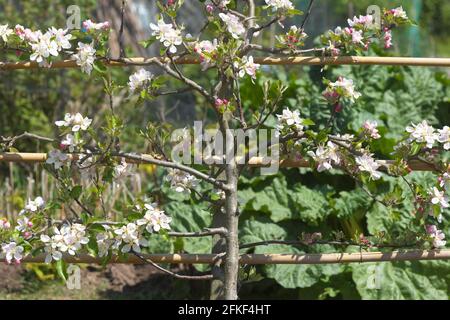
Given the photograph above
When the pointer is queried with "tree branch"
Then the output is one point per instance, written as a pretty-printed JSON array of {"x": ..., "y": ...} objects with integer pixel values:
[{"x": 173, "y": 274}]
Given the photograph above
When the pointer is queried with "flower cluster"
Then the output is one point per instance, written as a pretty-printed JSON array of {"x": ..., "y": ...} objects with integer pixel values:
[
  {"x": 246, "y": 66},
  {"x": 280, "y": 5},
  {"x": 85, "y": 56},
  {"x": 207, "y": 51},
  {"x": 88, "y": 25},
  {"x": 70, "y": 238},
  {"x": 341, "y": 89},
  {"x": 57, "y": 159},
  {"x": 234, "y": 25},
  {"x": 423, "y": 133},
  {"x": 154, "y": 219},
  {"x": 293, "y": 39},
  {"x": 169, "y": 36},
  {"x": 77, "y": 122},
  {"x": 4, "y": 224},
  {"x": 326, "y": 156},
  {"x": 67, "y": 239},
  {"x": 436, "y": 235},
  {"x": 12, "y": 252},
  {"x": 370, "y": 129},
  {"x": 364, "y": 30},
  {"x": 290, "y": 121},
  {"x": 366, "y": 163},
  {"x": 395, "y": 17},
  {"x": 181, "y": 181},
  {"x": 44, "y": 46},
  {"x": 362, "y": 22},
  {"x": 139, "y": 79}
]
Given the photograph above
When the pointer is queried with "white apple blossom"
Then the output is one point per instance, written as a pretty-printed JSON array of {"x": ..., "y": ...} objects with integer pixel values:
[
  {"x": 69, "y": 142},
  {"x": 51, "y": 248},
  {"x": 444, "y": 180},
  {"x": 234, "y": 25},
  {"x": 290, "y": 119},
  {"x": 86, "y": 167},
  {"x": 5, "y": 32},
  {"x": 69, "y": 238},
  {"x": 437, "y": 235},
  {"x": 357, "y": 37},
  {"x": 370, "y": 128},
  {"x": 154, "y": 219},
  {"x": 341, "y": 88},
  {"x": 422, "y": 133},
  {"x": 62, "y": 39},
  {"x": 399, "y": 13},
  {"x": 438, "y": 197},
  {"x": 66, "y": 122},
  {"x": 181, "y": 181},
  {"x": 167, "y": 35},
  {"x": 325, "y": 156},
  {"x": 44, "y": 48},
  {"x": 367, "y": 163},
  {"x": 139, "y": 79},
  {"x": 129, "y": 235},
  {"x": 23, "y": 224},
  {"x": 247, "y": 66},
  {"x": 362, "y": 21},
  {"x": 77, "y": 122},
  {"x": 387, "y": 39},
  {"x": 85, "y": 56},
  {"x": 57, "y": 159},
  {"x": 280, "y": 4},
  {"x": 12, "y": 252},
  {"x": 122, "y": 170},
  {"x": 80, "y": 123},
  {"x": 88, "y": 25},
  {"x": 444, "y": 137},
  {"x": 4, "y": 224},
  {"x": 35, "y": 205},
  {"x": 205, "y": 49}
]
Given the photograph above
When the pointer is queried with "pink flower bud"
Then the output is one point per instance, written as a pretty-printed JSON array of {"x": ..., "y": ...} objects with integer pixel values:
[
  {"x": 29, "y": 224},
  {"x": 209, "y": 8},
  {"x": 170, "y": 2},
  {"x": 219, "y": 102},
  {"x": 27, "y": 235},
  {"x": 338, "y": 107},
  {"x": 17, "y": 261}
]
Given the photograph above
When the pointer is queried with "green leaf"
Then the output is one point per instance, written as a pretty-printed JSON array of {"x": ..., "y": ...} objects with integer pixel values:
[
  {"x": 288, "y": 276},
  {"x": 61, "y": 269},
  {"x": 190, "y": 218},
  {"x": 272, "y": 199},
  {"x": 100, "y": 67},
  {"x": 424, "y": 280},
  {"x": 76, "y": 192},
  {"x": 310, "y": 205}
]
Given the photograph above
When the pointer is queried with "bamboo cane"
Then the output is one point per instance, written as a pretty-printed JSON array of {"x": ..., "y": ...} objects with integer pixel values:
[
  {"x": 259, "y": 259},
  {"x": 415, "y": 165},
  {"x": 310, "y": 60}
]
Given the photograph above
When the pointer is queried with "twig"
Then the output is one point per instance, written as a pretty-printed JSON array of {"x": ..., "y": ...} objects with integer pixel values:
[
  {"x": 122, "y": 18},
  {"x": 10, "y": 141},
  {"x": 308, "y": 13},
  {"x": 173, "y": 274}
]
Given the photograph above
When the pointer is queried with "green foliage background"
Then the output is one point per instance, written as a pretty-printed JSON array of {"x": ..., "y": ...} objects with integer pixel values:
[{"x": 295, "y": 200}]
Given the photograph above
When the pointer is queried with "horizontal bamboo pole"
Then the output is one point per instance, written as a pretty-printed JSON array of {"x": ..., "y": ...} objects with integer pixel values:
[
  {"x": 415, "y": 165},
  {"x": 344, "y": 60},
  {"x": 260, "y": 259}
]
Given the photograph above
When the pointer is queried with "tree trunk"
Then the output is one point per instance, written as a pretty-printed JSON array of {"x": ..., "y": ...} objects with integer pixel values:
[{"x": 232, "y": 224}]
